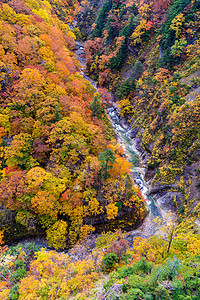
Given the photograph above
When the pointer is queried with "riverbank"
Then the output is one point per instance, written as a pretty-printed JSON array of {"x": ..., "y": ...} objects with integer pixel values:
[{"x": 137, "y": 156}]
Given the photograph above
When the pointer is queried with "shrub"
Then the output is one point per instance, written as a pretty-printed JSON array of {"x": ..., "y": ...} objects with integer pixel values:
[
  {"x": 14, "y": 292},
  {"x": 18, "y": 274},
  {"x": 109, "y": 261},
  {"x": 142, "y": 267}
]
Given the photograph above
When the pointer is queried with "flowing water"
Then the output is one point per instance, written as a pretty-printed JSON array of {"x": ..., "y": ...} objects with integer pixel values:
[
  {"x": 122, "y": 131},
  {"x": 123, "y": 136},
  {"x": 148, "y": 228}
]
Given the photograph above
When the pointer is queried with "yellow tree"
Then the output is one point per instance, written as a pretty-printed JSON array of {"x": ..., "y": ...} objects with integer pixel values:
[
  {"x": 177, "y": 24},
  {"x": 56, "y": 234},
  {"x": 111, "y": 211}
]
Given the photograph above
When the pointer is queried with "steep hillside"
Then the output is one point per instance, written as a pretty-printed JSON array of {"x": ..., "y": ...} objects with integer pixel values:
[
  {"x": 147, "y": 53},
  {"x": 63, "y": 177},
  {"x": 61, "y": 171},
  {"x": 106, "y": 268}
]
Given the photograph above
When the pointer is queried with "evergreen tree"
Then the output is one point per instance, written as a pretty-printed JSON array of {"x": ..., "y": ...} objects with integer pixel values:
[
  {"x": 107, "y": 159},
  {"x": 96, "y": 108}
]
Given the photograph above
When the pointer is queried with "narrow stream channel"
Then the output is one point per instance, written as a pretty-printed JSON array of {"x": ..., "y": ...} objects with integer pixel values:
[
  {"x": 123, "y": 136},
  {"x": 122, "y": 132},
  {"x": 148, "y": 228}
]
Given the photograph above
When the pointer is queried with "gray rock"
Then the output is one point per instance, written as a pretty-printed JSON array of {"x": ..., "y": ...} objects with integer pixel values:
[{"x": 113, "y": 293}]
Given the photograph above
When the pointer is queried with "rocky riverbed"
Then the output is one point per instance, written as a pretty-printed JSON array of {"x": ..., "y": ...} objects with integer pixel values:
[{"x": 136, "y": 155}]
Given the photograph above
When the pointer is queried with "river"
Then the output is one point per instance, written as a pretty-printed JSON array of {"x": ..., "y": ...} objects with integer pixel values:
[{"x": 123, "y": 136}]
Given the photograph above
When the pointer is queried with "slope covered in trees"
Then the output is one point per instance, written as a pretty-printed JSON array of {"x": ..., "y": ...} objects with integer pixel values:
[
  {"x": 160, "y": 267},
  {"x": 62, "y": 174},
  {"x": 61, "y": 170},
  {"x": 147, "y": 52}
]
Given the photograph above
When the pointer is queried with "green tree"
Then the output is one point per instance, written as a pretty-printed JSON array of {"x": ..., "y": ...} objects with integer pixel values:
[
  {"x": 96, "y": 108},
  {"x": 107, "y": 159}
]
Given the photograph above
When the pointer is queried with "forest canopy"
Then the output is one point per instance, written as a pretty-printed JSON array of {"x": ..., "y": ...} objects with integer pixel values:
[
  {"x": 55, "y": 171},
  {"x": 64, "y": 179}
]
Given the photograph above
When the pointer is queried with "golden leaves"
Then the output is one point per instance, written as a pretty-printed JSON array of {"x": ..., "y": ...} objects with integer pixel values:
[
  {"x": 177, "y": 24},
  {"x": 56, "y": 234},
  {"x": 111, "y": 211}
]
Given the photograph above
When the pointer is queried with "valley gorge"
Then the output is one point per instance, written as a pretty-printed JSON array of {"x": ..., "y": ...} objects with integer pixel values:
[{"x": 99, "y": 150}]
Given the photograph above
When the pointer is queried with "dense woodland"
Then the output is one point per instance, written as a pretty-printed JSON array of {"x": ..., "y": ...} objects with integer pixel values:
[
  {"x": 64, "y": 177},
  {"x": 61, "y": 169},
  {"x": 151, "y": 60}
]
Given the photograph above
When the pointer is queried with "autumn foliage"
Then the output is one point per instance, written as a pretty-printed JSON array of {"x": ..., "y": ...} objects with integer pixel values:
[
  {"x": 54, "y": 133},
  {"x": 147, "y": 54}
]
